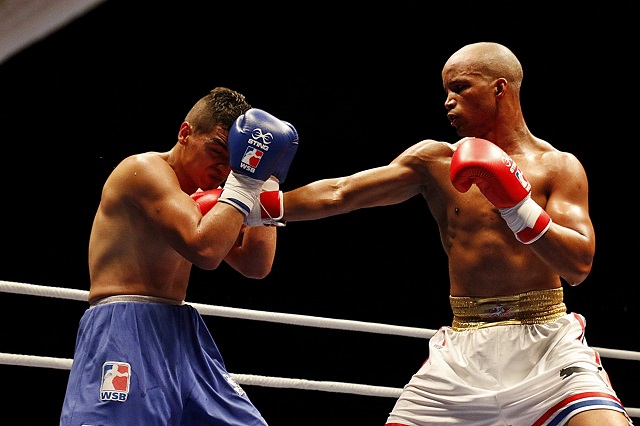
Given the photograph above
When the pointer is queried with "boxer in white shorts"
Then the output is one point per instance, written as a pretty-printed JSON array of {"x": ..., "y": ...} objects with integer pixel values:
[{"x": 506, "y": 360}]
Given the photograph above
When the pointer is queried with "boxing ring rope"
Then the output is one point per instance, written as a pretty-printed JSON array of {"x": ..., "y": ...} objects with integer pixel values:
[{"x": 294, "y": 319}]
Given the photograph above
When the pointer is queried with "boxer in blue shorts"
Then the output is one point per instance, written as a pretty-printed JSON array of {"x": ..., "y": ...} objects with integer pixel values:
[
  {"x": 143, "y": 356},
  {"x": 513, "y": 355}
]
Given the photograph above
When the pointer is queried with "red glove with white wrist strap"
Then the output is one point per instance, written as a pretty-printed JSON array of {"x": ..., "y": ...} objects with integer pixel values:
[
  {"x": 270, "y": 209},
  {"x": 270, "y": 205},
  {"x": 478, "y": 161}
]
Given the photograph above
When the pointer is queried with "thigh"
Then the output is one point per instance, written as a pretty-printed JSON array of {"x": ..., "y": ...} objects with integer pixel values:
[
  {"x": 214, "y": 397},
  {"x": 598, "y": 418},
  {"x": 119, "y": 375}
]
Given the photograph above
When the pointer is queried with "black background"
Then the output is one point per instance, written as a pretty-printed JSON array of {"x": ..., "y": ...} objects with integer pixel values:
[{"x": 360, "y": 85}]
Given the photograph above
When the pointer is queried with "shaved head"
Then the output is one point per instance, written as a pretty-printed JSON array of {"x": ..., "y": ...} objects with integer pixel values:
[{"x": 491, "y": 60}]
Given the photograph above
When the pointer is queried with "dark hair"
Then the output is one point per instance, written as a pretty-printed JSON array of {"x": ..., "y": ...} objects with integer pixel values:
[{"x": 220, "y": 107}]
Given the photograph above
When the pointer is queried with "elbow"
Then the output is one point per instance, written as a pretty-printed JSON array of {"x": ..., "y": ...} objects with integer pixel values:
[
  {"x": 257, "y": 273},
  {"x": 576, "y": 265},
  {"x": 579, "y": 272},
  {"x": 207, "y": 264},
  {"x": 575, "y": 279},
  {"x": 208, "y": 259},
  {"x": 256, "y": 276}
]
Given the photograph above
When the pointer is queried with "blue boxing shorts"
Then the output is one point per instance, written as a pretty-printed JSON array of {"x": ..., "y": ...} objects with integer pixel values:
[{"x": 148, "y": 361}]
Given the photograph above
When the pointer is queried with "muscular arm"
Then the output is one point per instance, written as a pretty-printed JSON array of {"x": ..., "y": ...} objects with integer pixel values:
[
  {"x": 391, "y": 184},
  {"x": 568, "y": 246},
  {"x": 254, "y": 252},
  {"x": 150, "y": 185}
]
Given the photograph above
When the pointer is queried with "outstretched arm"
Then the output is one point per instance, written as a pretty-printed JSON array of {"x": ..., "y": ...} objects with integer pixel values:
[{"x": 380, "y": 186}]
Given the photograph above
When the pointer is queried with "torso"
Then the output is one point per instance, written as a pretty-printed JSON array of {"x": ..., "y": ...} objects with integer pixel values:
[
  {"x": 485, "y": 259},
  {"x": 127, "y": 254}
]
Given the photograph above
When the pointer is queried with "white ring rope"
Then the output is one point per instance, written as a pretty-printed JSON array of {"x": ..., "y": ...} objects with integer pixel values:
[
  {"x": 248, "y": 379},
  {"x": 243, "y": 379},
  {"x": 223, "y": 311}
]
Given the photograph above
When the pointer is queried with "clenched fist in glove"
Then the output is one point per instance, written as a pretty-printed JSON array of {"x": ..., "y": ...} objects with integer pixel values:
[
  {"x": 478, "y": 161},
  {"x": 268, "y": 211},
  {"x": 206, "y": 199},
  {"x": 260, "y": 146}
]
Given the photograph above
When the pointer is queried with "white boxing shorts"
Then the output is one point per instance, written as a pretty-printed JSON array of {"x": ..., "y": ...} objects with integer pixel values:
[{"x": 497, "y": 366}]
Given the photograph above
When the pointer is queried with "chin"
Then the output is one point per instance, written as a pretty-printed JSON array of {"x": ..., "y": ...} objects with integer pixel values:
[
  {"x": 214, "y": 183},
  {"x": 464, "y": 133}
]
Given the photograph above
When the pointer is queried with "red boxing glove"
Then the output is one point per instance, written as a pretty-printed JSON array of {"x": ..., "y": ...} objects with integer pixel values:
[
  {"x": 206, "y": 199},
  {"x": 270, "y": 209},
  {"x": 478, "y": 161},
  {"x": 491, "y": 169}
]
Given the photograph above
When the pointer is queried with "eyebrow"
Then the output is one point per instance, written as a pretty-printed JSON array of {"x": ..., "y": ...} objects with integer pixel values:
[{"x": 218, "y": 142}]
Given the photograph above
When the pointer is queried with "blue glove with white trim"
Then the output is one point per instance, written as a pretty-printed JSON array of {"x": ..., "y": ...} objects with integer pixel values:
[{"x": 260, "y": 145}]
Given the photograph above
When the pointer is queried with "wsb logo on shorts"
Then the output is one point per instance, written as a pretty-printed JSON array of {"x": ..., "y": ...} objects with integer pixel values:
[{"x": 115, "y": 381}]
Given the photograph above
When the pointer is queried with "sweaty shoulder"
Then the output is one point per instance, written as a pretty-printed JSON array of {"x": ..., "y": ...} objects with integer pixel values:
[
  {"x": 565, "y": 166},
  {"x": 143, "y": 160},
  {"x": 549, "y": 169},
  {"x": 551, "y": 157},
  {"x": 425, "y": 163},
  {"x": 428, "y": 150},
  {"x": 145, "y": 163},
  {"x": 140, "y": 172}
]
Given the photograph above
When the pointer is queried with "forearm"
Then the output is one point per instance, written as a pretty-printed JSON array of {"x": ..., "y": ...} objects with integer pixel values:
[
  {"x": 316, "y": 200},
  {"x": 377, "y": 187},
  {"x": 254, "y": 253},
  {"x": 569, "y": 253}
]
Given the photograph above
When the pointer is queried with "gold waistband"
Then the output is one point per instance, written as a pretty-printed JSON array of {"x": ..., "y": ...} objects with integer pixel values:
[{"x": 532, "y": 307}]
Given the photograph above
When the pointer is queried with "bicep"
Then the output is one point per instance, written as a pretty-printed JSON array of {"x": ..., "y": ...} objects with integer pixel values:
[
  {"x": 568, "y": 203},
  {"x": 154, "y": 190}
]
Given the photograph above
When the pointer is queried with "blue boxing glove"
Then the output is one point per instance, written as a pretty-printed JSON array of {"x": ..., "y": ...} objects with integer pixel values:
[
  {"x": 257, "y": 144},
  {"x": 282, "y": 168}
]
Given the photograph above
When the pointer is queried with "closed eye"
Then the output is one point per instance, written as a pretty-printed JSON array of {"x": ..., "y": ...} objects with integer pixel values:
[{"x": 217, "y": 146}]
